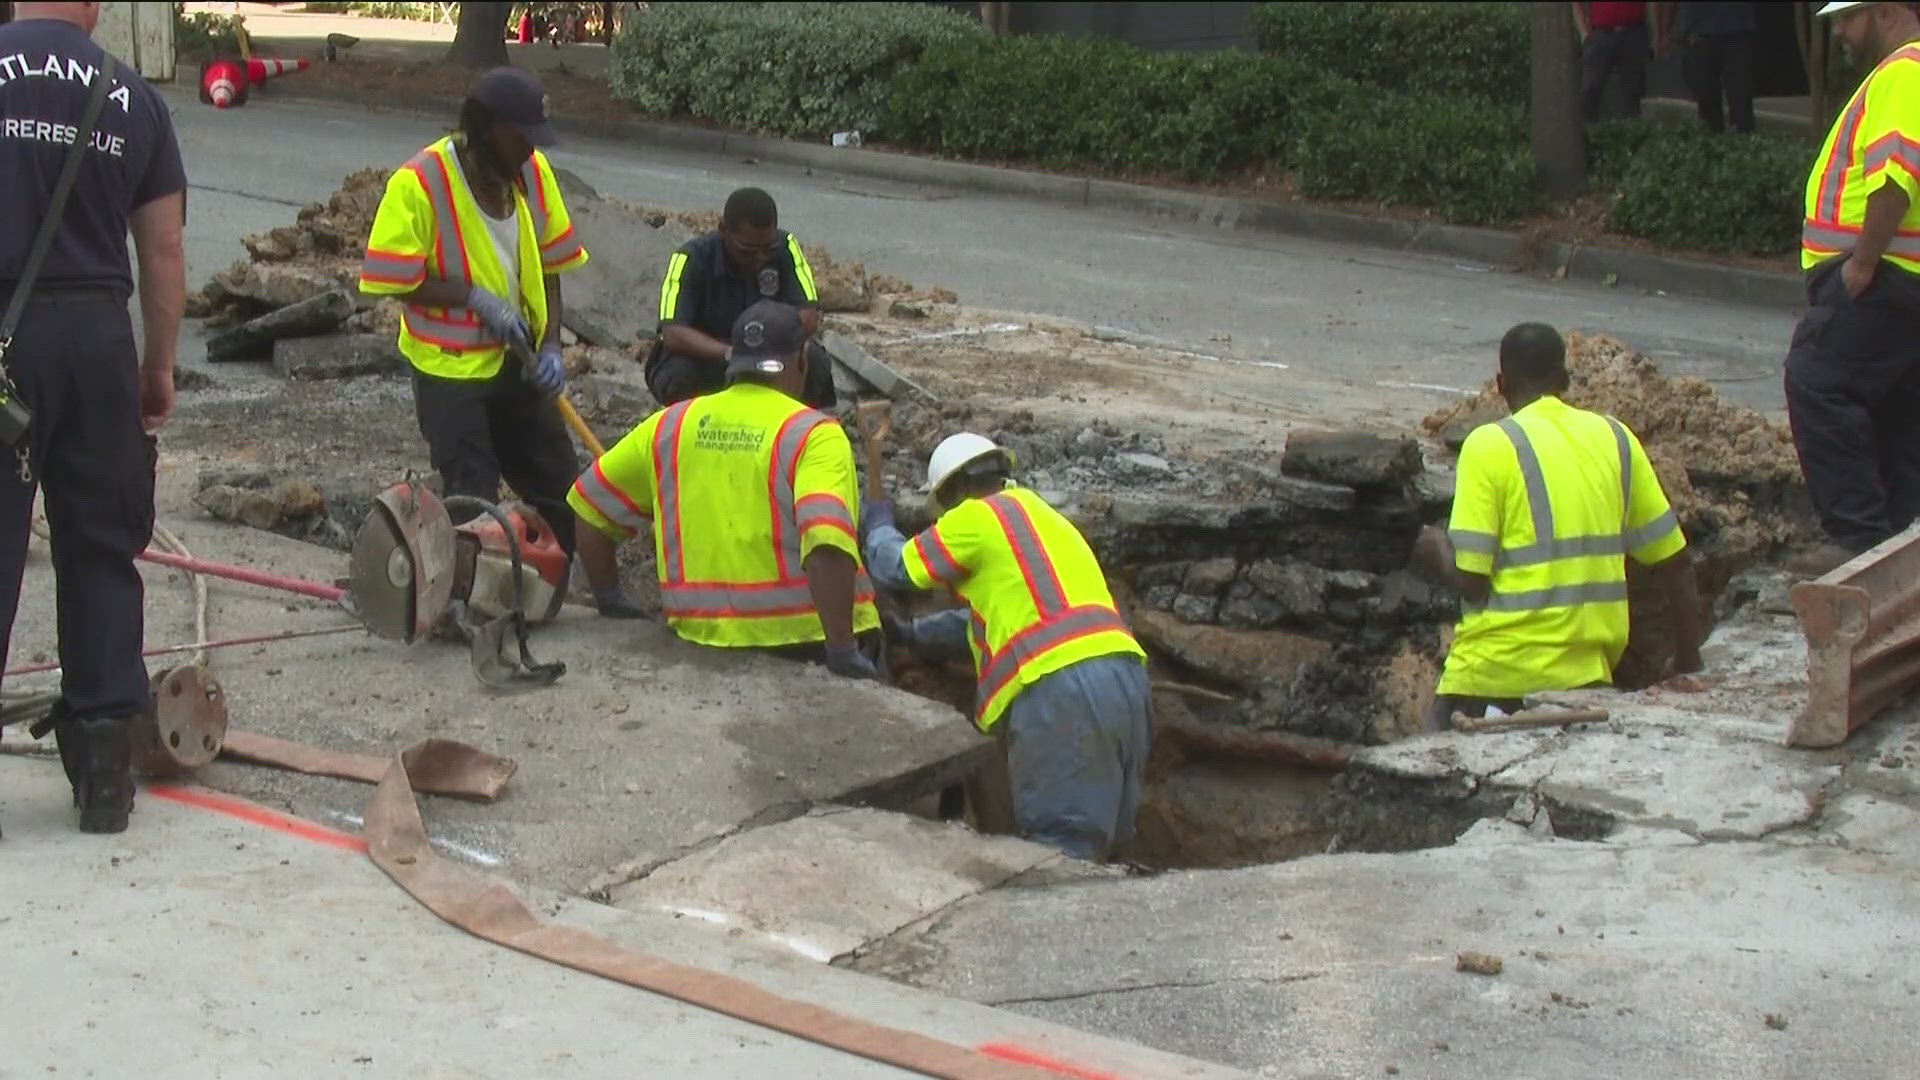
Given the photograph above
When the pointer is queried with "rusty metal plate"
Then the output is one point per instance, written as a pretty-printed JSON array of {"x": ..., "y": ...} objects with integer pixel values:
[
  {"x": 1862, "y": 625},
  {"x": 186, "y": 726}
]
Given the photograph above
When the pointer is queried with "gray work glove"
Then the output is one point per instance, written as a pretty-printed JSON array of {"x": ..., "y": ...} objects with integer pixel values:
[
  {"x": 501, "y": 318},
  {"x": 614, "y": 603},
  {"x": 549, "y": 374},
  {"x": 851, "y": 663},
  {"x": 899, "y": 630}
]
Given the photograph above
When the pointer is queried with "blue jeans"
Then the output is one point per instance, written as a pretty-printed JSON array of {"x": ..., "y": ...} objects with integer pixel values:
[{"x": 1077, "y": 744}]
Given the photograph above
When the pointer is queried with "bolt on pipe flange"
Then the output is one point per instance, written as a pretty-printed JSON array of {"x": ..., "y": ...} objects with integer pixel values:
[{"x": 186, "y": 725}]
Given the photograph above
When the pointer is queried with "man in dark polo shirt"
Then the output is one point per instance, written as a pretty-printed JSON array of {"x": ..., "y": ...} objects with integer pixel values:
[
  {"x": 96, "y": 394},
  {"x": 711, "y": 280}
]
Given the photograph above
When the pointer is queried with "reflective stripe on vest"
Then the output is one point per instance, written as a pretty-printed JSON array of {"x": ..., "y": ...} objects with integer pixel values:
[
  {"x": 999, "y": 669},
  {"x": 1548, "y": 547},
  {"x": 1057, "y": 624},
  {"x": 458, "y": 329},
  {"x": 789, "y": 594},
  {"x": 1835, "y": 239},
  {"x": 1823, "y": 230}
]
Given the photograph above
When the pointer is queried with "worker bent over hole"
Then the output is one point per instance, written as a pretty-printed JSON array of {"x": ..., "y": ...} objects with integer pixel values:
[{"x": 1058, "y": 672}]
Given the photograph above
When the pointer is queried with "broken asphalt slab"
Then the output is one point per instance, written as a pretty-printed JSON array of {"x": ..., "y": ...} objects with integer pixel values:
[
  {"x": 611, "y": 300},
  {"x": 829, "y": 883},
  {"x": 1659, "y": 961},
  {"x": 215, "y": 938}
]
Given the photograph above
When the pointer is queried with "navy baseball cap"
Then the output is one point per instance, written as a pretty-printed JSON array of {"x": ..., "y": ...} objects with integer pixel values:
[
  {"x": 517, "y": 97},
  {"x": 765, "y": 337}
]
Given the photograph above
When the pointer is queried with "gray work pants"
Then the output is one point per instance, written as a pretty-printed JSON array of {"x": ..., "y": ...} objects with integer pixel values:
[{"x": 1077, "y": 744}]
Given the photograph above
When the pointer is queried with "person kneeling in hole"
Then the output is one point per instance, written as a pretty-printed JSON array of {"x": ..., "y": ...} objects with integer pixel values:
[
  {"x": 1052, "y": 655},
  {"x": 1548, "y": 504}
]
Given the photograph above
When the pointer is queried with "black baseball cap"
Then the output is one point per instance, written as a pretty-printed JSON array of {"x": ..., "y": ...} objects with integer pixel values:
[
  {"x": 765, "y": 337},
  {"x": 515, "y": 96}
]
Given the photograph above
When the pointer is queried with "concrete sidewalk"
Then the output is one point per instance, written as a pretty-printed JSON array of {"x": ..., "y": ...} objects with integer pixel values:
[{"x": 202, "y": 944}]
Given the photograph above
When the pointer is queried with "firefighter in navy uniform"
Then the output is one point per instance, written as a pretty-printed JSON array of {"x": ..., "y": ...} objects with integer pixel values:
[
  {"x": 95, "y": 395},
  {"x": 711, "y": 281}
]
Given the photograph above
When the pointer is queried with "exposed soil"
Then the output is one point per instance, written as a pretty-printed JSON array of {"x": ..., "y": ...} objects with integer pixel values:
[{"x": 1095, "y": 418}]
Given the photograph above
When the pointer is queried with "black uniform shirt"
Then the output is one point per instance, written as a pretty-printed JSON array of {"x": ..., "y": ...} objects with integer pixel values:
[
  {"x": 46, "y": 72},
  {"x": 704, "y": 291}
]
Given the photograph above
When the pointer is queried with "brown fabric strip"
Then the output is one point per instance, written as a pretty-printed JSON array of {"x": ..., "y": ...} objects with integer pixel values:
[
  {"x": 486, "y": 908},
  {"x": 437, "y": 766}
]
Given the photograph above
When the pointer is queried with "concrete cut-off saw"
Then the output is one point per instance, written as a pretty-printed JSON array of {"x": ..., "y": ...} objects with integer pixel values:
[{"x": 415, "y": 574}]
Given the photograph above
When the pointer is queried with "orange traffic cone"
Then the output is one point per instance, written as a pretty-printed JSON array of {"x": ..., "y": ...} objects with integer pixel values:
[
  {"x": 223, "y": 83},
  {"x": 259, "y": 71}
]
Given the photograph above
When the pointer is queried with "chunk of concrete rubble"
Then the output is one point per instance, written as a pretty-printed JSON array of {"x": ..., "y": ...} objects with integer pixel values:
[
  {"x": 265, "y": 506},
  {"x": 1244, "y": 659},
  {"x": 1712, "y": 788},
  {"x": 1298, "y": 588},
  {"x": 1311, "y": 494},
  {"x": 254, "y": 340},
  {"x": 826, "y": 884},
  {"x": 1353, "y": 458},
  {"x": 275, "y": 285},
  {"x": 337, "y": 356},
  {"x": 605, "y": 299},
  {"x": 616, "y": 400},
  {"x": 1144, "y": 466},
  {"x": 848, "y": 354}
]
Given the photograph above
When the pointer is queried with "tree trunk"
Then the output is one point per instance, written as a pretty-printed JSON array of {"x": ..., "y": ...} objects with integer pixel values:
[
  {"x": 994, "y": 16},
  {"x": 1811, "y": 34},
  {"x": 606, "y": 23},
  {"x": 1559, "y": 135},
  {"x": 480, "y": 39}
]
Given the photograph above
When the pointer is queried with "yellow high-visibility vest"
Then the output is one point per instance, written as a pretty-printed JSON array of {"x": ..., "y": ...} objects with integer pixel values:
[
  {"x": 1874, "y": 141},
  {"x": 1038, "y": 597},
  {"x": 1548, "y": 504},
  {"x": 741, "y": 487},
  {"x": 429, "y": 226}
]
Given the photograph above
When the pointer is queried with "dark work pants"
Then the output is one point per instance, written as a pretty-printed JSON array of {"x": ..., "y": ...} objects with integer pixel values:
[
  {"x": 1607, "y": 52},
  {"x": 1853, "y": 400},
  {"x": 673, "y": 378},
  {"x": 1713, "y": 64},
  {"x": 74, "y": 361},
  {"x": 480, "y": 431}
]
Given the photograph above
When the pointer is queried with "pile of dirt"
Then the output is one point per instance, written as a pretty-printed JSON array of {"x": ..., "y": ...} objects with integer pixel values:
[
  {"x": 1731, "y": 473},
  {"x": 320, "y": 252}
]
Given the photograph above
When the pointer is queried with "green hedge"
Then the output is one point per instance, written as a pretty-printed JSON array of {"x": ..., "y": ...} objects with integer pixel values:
[
  {"x": 1464, "y": 157},
  {"x": 1472, "y": 49},
  {"x": 1685, "y": 188},
  {"x": 1095, "y": 103},
  {"x": 791, "y": 69}
]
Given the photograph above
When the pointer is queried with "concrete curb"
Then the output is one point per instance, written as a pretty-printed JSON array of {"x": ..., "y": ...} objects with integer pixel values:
[{"x": 1491, "y": 247}]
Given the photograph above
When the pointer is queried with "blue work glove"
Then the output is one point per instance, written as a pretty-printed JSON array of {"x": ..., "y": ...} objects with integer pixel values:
[
  {"x": 549, "y": 372},
  {"x": 614, "y": 603},
  {"x": 873, "y": 515},
  {"x": 852, "y": 663},
  {"x": 502, "y": 319}
]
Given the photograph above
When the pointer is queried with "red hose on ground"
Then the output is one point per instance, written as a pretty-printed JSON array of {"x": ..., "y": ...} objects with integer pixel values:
[
  {"x": 258, "y": 639},
  {"x": 330, "y": 593}
]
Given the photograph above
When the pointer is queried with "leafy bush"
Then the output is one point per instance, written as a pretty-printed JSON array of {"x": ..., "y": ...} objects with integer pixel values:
[
  {"x": 1688, "y": 188},
  {"x": 790, "y": 69},
  {"x": 204, "y": 34},
  {"x": 1474, "y": 49},
  {"x": 1090, "y": 102},
  {"x": 1464, "y": 157}
]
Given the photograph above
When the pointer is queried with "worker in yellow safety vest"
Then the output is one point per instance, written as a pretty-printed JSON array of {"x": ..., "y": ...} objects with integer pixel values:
[
  {"x": 1548, "y": 505},
  {"x": 472, "y": 234},
  {"x": 1853, "y": 368},
  {"x": 751, "y": 496},
  {"x": 1056, "y": 667}
]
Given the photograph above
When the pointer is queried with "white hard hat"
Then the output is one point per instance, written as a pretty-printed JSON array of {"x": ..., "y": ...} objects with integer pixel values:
[
  {"x": 956, "y": 452},
  {"x": 1837, "y": 8}
]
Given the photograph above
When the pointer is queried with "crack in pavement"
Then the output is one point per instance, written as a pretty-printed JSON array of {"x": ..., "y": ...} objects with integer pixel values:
[{"x": 1274, "y": 980}]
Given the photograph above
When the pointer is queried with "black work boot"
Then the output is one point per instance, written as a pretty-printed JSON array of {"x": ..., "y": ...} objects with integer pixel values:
[{"x": 105, "y": 788}]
